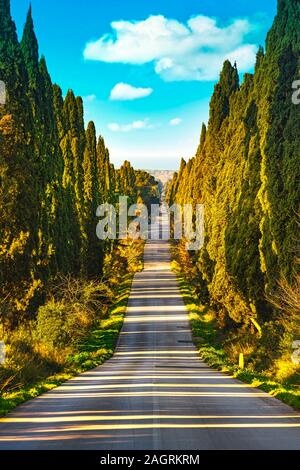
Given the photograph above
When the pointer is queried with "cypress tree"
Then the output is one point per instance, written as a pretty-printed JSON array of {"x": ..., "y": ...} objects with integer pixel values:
[
  {"x": 93, "y": 249},
  {"x": 202, "y": 139},
  {"x": 68, "y": 236},
  {"x": 246, "y": 172},
  {"x": 18, "y": 182},
  {"x": 47, "y": 153},
  {"x": 219, "y": 106},
  {"x": 279, "y": 122},
  {"x": 53, "y": 176}
]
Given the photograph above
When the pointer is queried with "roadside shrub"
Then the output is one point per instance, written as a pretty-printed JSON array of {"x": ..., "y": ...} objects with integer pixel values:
[
  {"x": 61, "y": 326},
  {"x": 24, "y": 362},
  {"x": 72, "y": 311},
  {"x": 126, "y": 257},
  {"x": 245, "y": 344},
  {"x": 88, "y": 295},
  {"x": 287, "y": 372},
  {"x": 51, "y": 325}
]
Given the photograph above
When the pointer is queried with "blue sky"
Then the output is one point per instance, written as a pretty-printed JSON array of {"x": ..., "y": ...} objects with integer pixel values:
[{"x": 146, "y": 69}]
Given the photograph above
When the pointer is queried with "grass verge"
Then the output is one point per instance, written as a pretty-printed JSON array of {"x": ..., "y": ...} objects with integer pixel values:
[
  {"x": 95, "y": 350},
  {"x": 205, "y": 338}
]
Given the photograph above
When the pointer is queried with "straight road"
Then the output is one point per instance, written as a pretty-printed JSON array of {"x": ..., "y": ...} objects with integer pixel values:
[{"x": 155, "y": 393}]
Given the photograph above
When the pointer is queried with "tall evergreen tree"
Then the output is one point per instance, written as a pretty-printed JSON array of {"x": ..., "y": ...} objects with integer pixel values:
[
  {"x": 92, "y": 250},
  {"x": 67, "y": 230},
  {"x": 18, "y": 181},
  {"x": 246, "y": 172},
  {"x": 219, "y": 106},
  {"x": 279, "y": 123}
]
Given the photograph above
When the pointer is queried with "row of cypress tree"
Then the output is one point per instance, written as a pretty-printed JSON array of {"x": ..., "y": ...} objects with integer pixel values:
[
  {"x": 247, "y": 173},
  {"x": 53, "y": 175}
]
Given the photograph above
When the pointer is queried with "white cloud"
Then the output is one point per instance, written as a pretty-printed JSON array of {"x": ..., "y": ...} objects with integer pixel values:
[
  {"x": 89, "y": 98},
  {"x": 114, "y": 127},
  {"x": 125, "y": 92},
  {"x": 192, "y": 51},
  {"x": 135, "y": 125},
  {"x": 175, "y": 122}
]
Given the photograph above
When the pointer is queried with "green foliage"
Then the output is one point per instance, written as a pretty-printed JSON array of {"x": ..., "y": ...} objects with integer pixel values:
[
  {"x": 18, "y": 195},
  {"x": 147, "y": 188},
  {"x": 25, "y": 361},
  {"x": 67, "y": 318},
  {"x": 52, "y": 325},
  {"x": 220, "y": 107},
  {"x": 126, "y": 182}
]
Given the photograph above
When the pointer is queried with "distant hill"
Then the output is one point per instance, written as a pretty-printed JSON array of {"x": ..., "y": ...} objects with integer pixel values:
[{"x": 162, "y": 175}]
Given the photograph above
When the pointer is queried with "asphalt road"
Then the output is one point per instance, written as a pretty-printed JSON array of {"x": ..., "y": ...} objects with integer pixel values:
[{"x": 155, "y": 393}]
